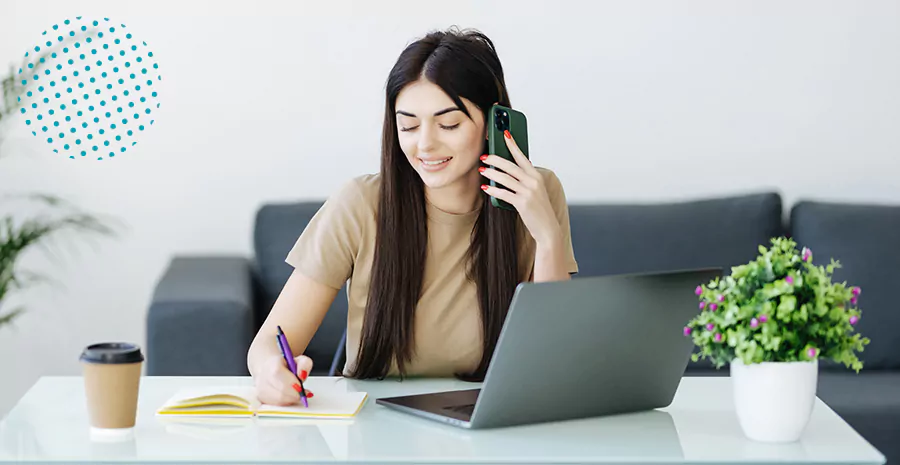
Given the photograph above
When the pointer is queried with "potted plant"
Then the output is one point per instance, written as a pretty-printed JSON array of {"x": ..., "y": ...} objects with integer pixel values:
[{"x": 772, "y": 320}]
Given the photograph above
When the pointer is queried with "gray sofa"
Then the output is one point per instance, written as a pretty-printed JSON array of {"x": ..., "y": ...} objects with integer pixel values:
[{"x": 205, "y": 310}]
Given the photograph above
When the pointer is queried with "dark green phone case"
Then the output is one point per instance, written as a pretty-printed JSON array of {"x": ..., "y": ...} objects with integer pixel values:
[{"x": 500, "y": 118}]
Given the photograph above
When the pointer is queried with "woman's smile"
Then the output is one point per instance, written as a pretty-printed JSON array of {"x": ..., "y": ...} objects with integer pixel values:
[{"x": 434, "y": 164}]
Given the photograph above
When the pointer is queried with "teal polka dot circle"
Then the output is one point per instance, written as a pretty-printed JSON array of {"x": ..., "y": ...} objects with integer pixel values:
[{"x": 66, "y": 58}]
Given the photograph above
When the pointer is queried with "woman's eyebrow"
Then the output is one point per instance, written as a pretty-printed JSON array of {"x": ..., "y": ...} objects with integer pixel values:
[{"x": 438, "y": 113}]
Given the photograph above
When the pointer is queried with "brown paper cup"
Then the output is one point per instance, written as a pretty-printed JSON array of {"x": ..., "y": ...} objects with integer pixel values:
[{"x": 112, "y": 375}]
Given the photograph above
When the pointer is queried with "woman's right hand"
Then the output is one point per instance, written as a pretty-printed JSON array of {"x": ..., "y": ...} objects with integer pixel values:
[{"x": 275, "y": 382}]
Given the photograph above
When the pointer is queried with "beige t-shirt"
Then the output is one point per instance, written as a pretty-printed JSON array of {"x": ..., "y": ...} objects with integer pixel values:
[{"x": 338, "y": 245}]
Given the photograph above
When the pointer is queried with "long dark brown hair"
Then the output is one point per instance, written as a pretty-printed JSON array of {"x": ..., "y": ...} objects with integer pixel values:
[{"x": 463, "y": 64}]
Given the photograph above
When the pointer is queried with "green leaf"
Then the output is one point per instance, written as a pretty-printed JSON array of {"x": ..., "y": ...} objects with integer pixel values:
[
  {"x": 8, "y": 317},
  {"x": 37, "y": 230},
  {"x": 801, "y": 316}
]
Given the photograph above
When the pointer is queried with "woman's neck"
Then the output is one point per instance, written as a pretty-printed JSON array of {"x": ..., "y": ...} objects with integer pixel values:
[{"x": 461, "y": 197}]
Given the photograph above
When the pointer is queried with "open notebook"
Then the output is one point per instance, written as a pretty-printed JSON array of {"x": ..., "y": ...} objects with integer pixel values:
[{"x": 241, "y": 401}]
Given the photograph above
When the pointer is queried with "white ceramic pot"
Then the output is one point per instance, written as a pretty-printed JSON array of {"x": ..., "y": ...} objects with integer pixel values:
[{"x": 774, "y": 400}]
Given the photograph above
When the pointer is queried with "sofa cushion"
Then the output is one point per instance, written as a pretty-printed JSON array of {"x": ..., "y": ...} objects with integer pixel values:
[
  {"x": 870, "y": 403},
  {"x": 866, "y": 240},
  {"x": 628, "y": 238},
  {"x": 635, "y": 238},
  {"x": 276, "y": 230},
  {"x": 192, "y": 292}
]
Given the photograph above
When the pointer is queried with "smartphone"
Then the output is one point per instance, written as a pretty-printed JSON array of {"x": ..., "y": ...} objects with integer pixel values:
[{"x": 501, "y": 119}]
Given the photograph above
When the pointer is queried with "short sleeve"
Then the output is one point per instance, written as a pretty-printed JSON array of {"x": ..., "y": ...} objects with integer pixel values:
[
  {"x": 560, "y": 205},
  {"x": 327, "y": 248}
]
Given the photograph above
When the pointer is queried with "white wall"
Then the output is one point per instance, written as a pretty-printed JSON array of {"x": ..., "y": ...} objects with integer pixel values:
[{"x": 638, "y": 101}]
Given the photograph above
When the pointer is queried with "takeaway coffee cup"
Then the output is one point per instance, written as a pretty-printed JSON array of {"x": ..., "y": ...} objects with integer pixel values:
[{"x": 112, "y": 374}]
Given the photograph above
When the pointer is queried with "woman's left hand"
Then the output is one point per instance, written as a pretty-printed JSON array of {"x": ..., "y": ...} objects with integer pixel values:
[{"x": 525, "y": 190}]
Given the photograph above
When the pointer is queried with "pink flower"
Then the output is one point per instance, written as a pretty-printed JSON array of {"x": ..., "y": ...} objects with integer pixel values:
[
  {"x": 854, "y": 319},
  {"x": 854, "y": 300},
  {"x": 721, "y": 298},
  {"x": 713, "y": 307},
  {"x": 718, "y": 337},
  {"x": 806, "y": 254},
  {"x": 710, "y": 326},
  {"x": 789, "y": 280},
  {"x": 811, "y": 352},
  {"x": 698, "y": 291},
  {"x": 763, "y": 318},
  {"x": 702, "y": 305},
  {"x": 856, "y": 291},
  {"x": 687, "y": 331},
  {"x": 754, "y": 323}
]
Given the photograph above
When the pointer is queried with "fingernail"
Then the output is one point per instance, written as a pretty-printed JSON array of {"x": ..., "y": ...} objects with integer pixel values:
[
  {"x": 309, "y": 394},
  {"x": 481, "y": 169},
  {"x": 296, "y": 387},
  {"x": 484, "y": 157},
  {"x": 484, "y": 187},
  {"x": 303, "y": 375},
  {"x": 507, "y": 134}
]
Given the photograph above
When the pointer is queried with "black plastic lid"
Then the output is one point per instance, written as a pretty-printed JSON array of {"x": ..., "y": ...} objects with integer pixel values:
[{"x": 112, "y": 352}]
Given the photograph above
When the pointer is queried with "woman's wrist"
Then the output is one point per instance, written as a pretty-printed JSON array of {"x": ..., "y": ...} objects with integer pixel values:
[
  {"x": 550, "y": 260},
  {"x": 256, "y": 356},
  {"x": 550, "y": 241},
  {"x": 252, "y": 361}
]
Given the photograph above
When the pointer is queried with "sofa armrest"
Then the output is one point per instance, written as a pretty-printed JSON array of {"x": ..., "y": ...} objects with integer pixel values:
[{"x": 200, "y": 321}]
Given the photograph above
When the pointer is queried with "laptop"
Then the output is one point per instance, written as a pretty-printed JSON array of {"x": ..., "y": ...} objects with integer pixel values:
[{"x": 586, "y": 347}]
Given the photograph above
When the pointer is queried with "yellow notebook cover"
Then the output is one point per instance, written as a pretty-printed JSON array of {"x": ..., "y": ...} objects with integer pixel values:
[{"x": 241, "y": 401}]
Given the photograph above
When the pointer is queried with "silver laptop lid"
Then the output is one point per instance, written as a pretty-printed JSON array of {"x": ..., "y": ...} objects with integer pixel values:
[{"x": 590, "y": 346}]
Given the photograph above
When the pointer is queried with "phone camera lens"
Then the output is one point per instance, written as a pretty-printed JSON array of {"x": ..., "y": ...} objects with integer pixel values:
[{"x": 502, "y": 123}]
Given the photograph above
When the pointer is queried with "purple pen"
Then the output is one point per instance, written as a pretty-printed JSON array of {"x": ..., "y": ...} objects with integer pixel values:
[{"x": 291, "y": 363}]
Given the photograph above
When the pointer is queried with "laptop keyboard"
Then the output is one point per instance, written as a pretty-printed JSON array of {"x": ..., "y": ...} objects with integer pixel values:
[{"x": 466, "y": 409}]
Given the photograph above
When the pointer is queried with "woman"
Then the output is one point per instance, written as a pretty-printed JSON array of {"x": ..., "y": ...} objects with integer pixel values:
[{"x": 432, "y": 265}]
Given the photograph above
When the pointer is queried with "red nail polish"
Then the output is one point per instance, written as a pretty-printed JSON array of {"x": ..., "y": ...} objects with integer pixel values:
[
  {"x": 303, "y": 375},
  {"x": 296, "y": 387},
  {"x": 309, "y": 394},
  {"x": 507, "y": 134},
  {"x": 481, "y": 169},
  {"x": 484, "y": 157},
  {"x": 484, "y": 187}
]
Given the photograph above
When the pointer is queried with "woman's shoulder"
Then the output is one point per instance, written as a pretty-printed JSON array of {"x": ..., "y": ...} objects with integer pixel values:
[
  {"x": 356, "y": 197},
  {"x": 551, "y": 180},
  {"x": 360, "y": 191},
  {"x": 554, "y": 188}
]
